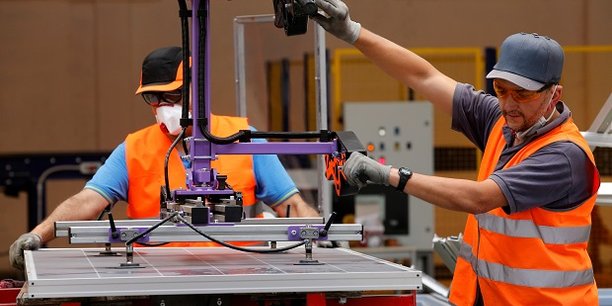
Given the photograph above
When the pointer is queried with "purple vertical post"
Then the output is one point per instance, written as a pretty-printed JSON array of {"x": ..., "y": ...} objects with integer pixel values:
[
  {"x": 200, "y": 150},
  {"x": 195, "y": 65}
]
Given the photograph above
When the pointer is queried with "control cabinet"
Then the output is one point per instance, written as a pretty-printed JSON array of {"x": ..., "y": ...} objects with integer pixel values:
[{"x": 397, "y": 134}]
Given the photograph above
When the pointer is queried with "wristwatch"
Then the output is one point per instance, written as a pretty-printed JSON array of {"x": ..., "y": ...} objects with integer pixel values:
[{"x": 404, "y": 175}]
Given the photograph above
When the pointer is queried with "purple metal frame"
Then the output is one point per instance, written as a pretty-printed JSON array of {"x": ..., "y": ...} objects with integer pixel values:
[{"x": 202, "y": 178}]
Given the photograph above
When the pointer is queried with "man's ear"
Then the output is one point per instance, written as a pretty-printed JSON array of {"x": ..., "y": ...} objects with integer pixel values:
[{"x": 558, "y": 93}]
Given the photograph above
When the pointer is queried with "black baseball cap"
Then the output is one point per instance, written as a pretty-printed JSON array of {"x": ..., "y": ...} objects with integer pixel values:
[
  {"x": 530, "y": 61},
  {"x": 162, "y": 70}
]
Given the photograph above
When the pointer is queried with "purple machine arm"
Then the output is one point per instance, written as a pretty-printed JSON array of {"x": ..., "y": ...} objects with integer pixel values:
[{"x": 202, "y": 178}]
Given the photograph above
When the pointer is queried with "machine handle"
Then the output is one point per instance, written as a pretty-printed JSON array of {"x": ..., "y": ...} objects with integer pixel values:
[{"x": 330, "y": 220}]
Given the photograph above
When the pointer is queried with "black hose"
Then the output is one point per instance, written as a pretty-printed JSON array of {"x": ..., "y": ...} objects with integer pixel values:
[
  {"x": 225, "y": 244},
  {"x": 237, "y": 248},
  {"x": 152, "y": 228},
  {"x": 180, "y": 136},
  {"x": 286, "y": 135}
]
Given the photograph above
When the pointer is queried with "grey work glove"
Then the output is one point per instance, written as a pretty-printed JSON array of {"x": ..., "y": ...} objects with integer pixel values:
[
  {"x": 27, "y": 241},
  {"x": 337, "y": 22},
  {"x": 360, "y": 170}
]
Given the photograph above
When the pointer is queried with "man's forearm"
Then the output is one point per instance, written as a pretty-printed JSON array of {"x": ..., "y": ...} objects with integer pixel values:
[
  {"x": 306, "y": 210},
  {"x": 298, "y": 207},
  {"x": 452, "y": 193},
  {"x": 85, "y": 205}
]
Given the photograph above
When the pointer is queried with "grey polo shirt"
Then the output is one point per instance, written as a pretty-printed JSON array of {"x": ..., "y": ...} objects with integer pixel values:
[{"x": 557, "y": 177}]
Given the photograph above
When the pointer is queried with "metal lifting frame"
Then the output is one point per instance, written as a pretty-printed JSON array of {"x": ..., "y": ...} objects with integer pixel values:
[{"x": 323, "y": 195}]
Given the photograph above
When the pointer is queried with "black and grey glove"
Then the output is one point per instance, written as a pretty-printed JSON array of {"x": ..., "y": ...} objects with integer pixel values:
[
  {"x": 360, "y": 170},
  {"x": 337, "y": 22},
  {"x": 27, "y": 241}
]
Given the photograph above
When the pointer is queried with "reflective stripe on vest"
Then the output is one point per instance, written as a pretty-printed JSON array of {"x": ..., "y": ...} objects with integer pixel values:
[
  {"x": 525, "y": 277},
  {"x": 528, "y": 229}
]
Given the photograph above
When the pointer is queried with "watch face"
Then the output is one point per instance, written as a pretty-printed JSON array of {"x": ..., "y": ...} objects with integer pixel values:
[{"x": 404, "y": 171}]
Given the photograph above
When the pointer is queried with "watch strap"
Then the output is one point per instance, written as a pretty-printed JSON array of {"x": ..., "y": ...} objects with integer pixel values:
[{"x": 404, "y": 175}]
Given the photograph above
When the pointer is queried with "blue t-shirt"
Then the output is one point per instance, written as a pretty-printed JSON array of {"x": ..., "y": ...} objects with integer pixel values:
[{"x": 273, "y": 184}]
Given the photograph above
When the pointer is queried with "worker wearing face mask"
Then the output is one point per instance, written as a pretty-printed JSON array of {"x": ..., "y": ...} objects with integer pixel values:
[{"x": 134, "y": 171}]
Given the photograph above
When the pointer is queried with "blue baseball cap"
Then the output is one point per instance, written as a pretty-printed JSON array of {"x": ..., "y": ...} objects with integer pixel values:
[{"x": 530, "y": 61}]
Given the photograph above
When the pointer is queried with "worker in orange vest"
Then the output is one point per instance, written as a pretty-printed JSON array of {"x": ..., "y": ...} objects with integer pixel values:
[
  {"x": 525, "y": 241},
  {"x": 134, "y": 171}
]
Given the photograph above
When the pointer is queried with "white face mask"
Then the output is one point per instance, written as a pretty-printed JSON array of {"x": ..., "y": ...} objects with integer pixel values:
[
  {"x": 169, "y": 118},
  {"x": 541, "y": 121}
]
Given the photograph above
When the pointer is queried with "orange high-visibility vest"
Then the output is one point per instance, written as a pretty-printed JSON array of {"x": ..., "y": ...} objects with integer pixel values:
[
  {"x": 145, "y": 151},
  {"x": 533, "y": 257}
]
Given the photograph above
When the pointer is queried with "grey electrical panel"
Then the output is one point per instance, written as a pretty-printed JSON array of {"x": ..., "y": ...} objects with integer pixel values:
[{"x": 397, "y": 134}]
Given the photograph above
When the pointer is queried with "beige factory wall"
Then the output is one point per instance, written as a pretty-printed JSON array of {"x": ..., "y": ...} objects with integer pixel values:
[{"x": 68, "y": 69}]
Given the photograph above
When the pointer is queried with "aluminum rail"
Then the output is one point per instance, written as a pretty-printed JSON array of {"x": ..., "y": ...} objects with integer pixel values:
[
  {"x": 237, "y": 232},
  {"x": 61, "y": 227}
]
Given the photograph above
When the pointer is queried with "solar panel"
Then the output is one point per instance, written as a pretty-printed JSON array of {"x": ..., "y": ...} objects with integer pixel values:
[{"x": 82, "y": 272}]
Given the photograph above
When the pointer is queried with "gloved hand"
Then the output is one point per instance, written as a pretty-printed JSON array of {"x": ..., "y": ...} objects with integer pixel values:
[
  {"x": 360, "y": 169},
  {"x": 339, "y": 22},
  {"x": 27, "y": 241}
]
